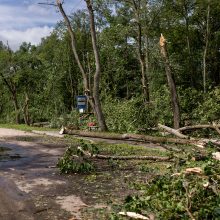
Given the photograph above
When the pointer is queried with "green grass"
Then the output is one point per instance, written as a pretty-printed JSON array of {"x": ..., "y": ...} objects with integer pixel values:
[
  {"x": 127, "y": 149},
  {"x": 24, "y": 127}
]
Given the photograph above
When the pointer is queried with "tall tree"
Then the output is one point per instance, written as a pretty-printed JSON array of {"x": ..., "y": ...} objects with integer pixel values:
[
  {"x": 95, "y": 100},
  {"x": 206, "y": 40},
  {"x": 8, "y": 74},
  {"x": 97, "y": 75}
]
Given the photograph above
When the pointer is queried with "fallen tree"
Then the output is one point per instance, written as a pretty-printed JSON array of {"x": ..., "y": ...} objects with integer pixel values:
[
  {"x": 194, "y": 127},
  {"x": 198, "y": 142},
  {"x": 128, "y": 137},
  {"x": 144, "y": 138},
  {"x": 173, "y": 131}
]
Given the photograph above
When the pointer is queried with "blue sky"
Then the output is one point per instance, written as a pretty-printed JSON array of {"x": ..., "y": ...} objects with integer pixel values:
[{"x": 26, "y": 20}]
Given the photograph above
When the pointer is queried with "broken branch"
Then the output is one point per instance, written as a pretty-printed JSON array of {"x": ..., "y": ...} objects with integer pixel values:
[
  {"x": 173, "y": 131},
  {"x": 108, "y": 157}
]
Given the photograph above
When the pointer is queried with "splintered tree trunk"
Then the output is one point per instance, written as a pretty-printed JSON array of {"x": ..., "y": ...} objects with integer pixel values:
[
  {"x": 171, "y": 83},
  {"x": 100, "y": 115}
]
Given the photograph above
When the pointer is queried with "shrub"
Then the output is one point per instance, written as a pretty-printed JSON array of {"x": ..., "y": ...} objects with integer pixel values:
[{"x": 181, "y": 196}]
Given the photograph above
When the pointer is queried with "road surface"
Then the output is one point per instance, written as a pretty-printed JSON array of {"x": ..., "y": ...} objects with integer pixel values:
[{"x": 29, "y": 167}]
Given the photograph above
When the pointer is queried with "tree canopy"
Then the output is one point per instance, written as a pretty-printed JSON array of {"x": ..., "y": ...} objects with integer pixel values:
[{"x": 40, "y": 83}]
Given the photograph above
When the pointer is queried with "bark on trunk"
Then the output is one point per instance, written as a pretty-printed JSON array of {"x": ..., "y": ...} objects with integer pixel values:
[
  {"x": 206, "y": 47},
  {"x": 173, "y": 131},
  {"x": 94, "y": 99},
  {"x": 142, "y": 61},
  {"x": 26, "y": 110},
  {"x": 198, "y": 142},
  {"x": 141, "y": 54},
  {"x": 193, "y": 127},
  {"x": 132, "y": 157},
  {"x": 12, "y": 89},
  {"x": 136, "y": 137},
  {"x": 171, "y": 83},
  {"x": 74, "y": 49},
  {"x": 16, "y": 107},
  {"x": 73, "y": 44},
  {"x": 143, "y": 138},
  {"x": 97, "y": 103}
]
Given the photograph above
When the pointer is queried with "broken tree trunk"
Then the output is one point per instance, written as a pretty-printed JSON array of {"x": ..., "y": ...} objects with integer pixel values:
[
  {"x": 198, "y": 142},
  {"x": 171, "y": 83},
  {"x": 216, "y": 127},
  {"x": 193, "y": 127},
  {"x": 173, "y": 131}
]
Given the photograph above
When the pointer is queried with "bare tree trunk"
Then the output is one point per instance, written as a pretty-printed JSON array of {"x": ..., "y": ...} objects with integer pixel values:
[
  {"x": 147, "y": 63},
  {"x": 93, "y": 100},
  {"x": 171, "y": 83},
  {"x": 79, "y": 63},
  {"x": 190, "y": 56},
  {"x": 71, "y": 87},
  {"x": 89, "y": 76},
  {"x": 16, "y": 107},
  {"x": 13, "y": 91},
  {"x": 96, "y": 82},
  {"x": 206, "y": 47},
  {"x": 26, "y": 111},
  {"x": 141, "y": 55},
  {"x": 73, "y": 44}
]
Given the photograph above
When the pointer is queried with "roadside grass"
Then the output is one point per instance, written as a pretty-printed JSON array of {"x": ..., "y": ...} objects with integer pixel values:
[
  {"x": 128, "y": 149},
  {"x": 24, "y": 127}
]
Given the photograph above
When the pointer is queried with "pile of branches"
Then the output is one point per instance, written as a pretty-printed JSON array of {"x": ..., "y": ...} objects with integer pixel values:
[{"x": 191, "y": 193}]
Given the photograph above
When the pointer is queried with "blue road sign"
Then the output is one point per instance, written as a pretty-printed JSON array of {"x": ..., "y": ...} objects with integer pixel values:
[{"x": 81, "y": 102}]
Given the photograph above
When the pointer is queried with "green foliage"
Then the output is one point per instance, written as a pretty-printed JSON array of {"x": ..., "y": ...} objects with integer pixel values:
[
  {"x": 50, "y": 76},
  {"x": 131, "y": 115},
  {"x": 178, "y": 196},
  {"x": 74, "y": 160},
  {"x": 209, "y": 109},
  {"x": 65, "y": 120},
  {"x": 120, "y": 115},
  {"x": 200, "y": 108}
]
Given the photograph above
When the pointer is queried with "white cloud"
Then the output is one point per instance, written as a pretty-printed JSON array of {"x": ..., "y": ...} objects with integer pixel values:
[
  {"x": 17, "y": 17},
  {"x": 32, "y": 35},
  {"x": 27, "y": 21}
]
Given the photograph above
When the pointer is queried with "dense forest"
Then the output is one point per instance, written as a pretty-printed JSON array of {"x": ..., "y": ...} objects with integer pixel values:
[{"x": 121, "y": 46}]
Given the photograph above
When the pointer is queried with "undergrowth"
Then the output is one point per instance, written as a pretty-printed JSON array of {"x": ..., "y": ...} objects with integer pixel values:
[
  {"x": 171, "y": 194},
  {"x": 73, "y": 160},
  {"x": 180, "y": 195}
]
